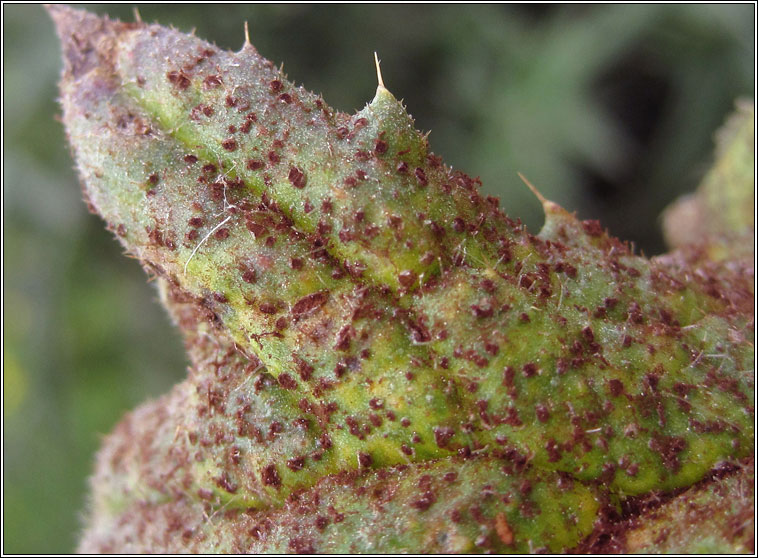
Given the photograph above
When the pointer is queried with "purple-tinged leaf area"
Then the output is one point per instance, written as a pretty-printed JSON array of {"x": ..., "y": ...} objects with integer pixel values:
[
  {"x": 714, "y": 516},
  {"x": 359, "y": 317}
]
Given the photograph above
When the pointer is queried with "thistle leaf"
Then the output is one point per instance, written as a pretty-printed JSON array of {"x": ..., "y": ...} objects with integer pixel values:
[
  {"x": 362, "y": 322},
  {"x": 720, "y": 214}
]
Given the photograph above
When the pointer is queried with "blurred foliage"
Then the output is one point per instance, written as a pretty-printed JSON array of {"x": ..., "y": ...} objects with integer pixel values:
[{"x": 609, "y": 110}]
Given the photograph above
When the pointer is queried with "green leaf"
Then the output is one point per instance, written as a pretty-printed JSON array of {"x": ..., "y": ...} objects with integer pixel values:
[{"x": 358, "y": 317}]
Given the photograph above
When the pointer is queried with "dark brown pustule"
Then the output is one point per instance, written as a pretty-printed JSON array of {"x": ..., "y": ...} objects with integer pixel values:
[
  {"x": 344, "y": 336},
  {"x": 592, "y": 227},
  {"x": 296, "y": 463},
  {"x": 309, "y": 303},
  {"x": 297, "y": 178},
  {"x": 364, "y": 460},
  {"x": 178, "y": 79},
  {"x": 421, "y": 176},
  {"x": 270, "y": 476},
  {"x": 287, "y": 381},
  {"x": 212, "y": 82},
  {"x": 407, "y": 278},
  {"x": 442, "y": 435}
]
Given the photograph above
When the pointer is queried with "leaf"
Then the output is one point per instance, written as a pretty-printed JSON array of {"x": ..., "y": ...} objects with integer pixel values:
[
  {"x": 360, "y": 318},
  {"x": 720, "y": 214}
]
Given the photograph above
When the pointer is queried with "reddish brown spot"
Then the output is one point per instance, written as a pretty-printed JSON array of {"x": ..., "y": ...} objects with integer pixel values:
[
  {"x": 310, "y": 303},
  {"x": 553, "y": 451},
  {"x": 301, "y": 545},
  {"x": 225, "y": 483},
  {"x": 592, "y": 227},
  {"x": 450, "y": 477},
  {"x": 178, "y": 79},
  {"x": 275, "y": 85},
  {"x": 442, "y": 435},
  {"x": 196, "y": 222},
  {"x": 615, "y": 387},
  {"x": 221, "y": 234},
  {"x": 508, "y": 375},
  {"x": 190, "y": 159},
  {"x": 407, "y": 278},
  {"x": 297, "y": 177},
  {"x": 364, "y": 460},
  {"x": 340, "y": 369},
  {"x": 419, "y": 331},
  {"x": 249, "y": 276},
  {"x": 542, "y": 412},
  {"x": 270, "y": 476},
  {"x": 253, "y": 165},
  {"x": 425, "y": 502},
  {"x": 512, "y": 418},
  {"x": 361, "y": 175},
  {"x": 529, "y": 369},
  {"x": 634, "y": 313},
  {"x": 380, "y": 147},
  {"x": 482, "y": 310},
  {"x": 304, "y": 369},
  {"x": 588, "y": 334},
  {"x": 212, "y": 82},
  {"x": 344, "y": 336},
  {"x": 230, "y": 144},
  {"x": 420, "y": 176},
  {"x": 296, "y": 463},
  {"x": 268, "y": 308},
  {"x": 668, "y": 447},
  {"x": 287, "y": 381},
  {"x": 273, "y": 157}
]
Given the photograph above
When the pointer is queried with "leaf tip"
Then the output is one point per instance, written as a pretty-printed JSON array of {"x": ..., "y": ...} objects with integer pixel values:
[{"x": 84, "y": 37}]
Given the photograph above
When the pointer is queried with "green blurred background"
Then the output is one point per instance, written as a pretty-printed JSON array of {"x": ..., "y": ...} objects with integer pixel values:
[{"x": 609, "y": 110}]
